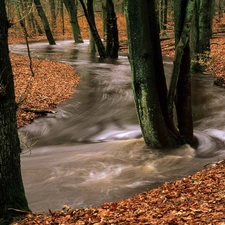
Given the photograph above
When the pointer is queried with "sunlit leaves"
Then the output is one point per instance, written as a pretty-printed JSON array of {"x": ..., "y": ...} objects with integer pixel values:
[{"x": 53, "y": 82}]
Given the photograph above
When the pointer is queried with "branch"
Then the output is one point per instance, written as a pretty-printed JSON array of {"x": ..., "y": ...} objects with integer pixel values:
[
  {"x": 18, "y": 210},
  {"x": 38, "y": 111}
]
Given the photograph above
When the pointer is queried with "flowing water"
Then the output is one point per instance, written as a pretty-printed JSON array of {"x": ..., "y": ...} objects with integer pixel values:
[{"x": 91, "y": 150}]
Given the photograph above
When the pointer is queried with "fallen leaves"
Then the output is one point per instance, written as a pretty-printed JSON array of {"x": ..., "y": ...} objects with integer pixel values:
[{"x": 53, "y": 83}]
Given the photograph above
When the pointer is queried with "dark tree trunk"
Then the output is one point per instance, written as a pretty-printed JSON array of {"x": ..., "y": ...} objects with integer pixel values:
[
  {"x": 52, "y": 12},
  {"x": 94, "y": 32},
  {"x": 90, "y": 11},
  {"x": 45, "y": 23},
  {"x": 165, "y": 14},
  {"x": 183, "y": 14},
  {"x": 205, "y": 26},
  {"x": 12, "y": 195},
  {"x": 112, "y": 39},
  {"x": 71, "y": 7},
  {"x": 104, "y": 18},
  {"x": 61, "y": 12},
  {"x": 146, "y": 60},
  {"x": 37, "y": 26},
  {"x": 201, "y": 34},
  {"x": 162, "y": 14}
]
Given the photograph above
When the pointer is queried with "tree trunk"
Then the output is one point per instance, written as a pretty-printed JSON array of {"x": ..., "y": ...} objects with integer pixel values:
[
  {"x": 23, "y": 25},
  {"x": 181, "y": 78},
  {"x": 201, "y": 34},
  {"x": 45, "y": 23},
  {"x": 60, "y": 7},
  {"x": 205, "y": 26},
  {"x": 112, "y": 39},
  {"x": 12, "y": 195},
  {"x": 90, "y": 11},
  {"x": 71, "y": 7},
  {"x": 53, "y": 14},
  {"x": 162, "y": 14},
  {"x": 104, "y": 18},
  {"x": 94, "y": 32},
  {"x": 145, "y": 60},
  {"x": 165, "y": 12}
]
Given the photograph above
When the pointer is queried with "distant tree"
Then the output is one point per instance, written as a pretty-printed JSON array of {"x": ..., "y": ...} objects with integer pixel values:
[
  {"x": 61, "y": 12},
  {"x": 104, "y": 18},
  {"x": 45, "y": 23},
  {"x": 53, "y": 13},
  {"x": 162, "y": 14},
  {"x": 201, "y": 34},
  {"x": 12, "y": 195},
  {"x": 91, "y": 14},
  {"x": 220, "y": 9},
  {"x": 112, "y": 38},
  {"x": 183, "y": 14},
  {"x": 94, "y": 32},
  {"x": 71, "y": 7},
  {"x": 154, "y": 104}
]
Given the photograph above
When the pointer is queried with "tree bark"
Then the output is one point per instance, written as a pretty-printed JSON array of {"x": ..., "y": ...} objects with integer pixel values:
[
  {"x": 145, "y": 60},
  {"x": 53, "y": 14},
  {"x": 95, "y": 34},
  {"x": 45, "y": 23},
  {"x": 71, "y": 7},
  {"x": 12, "y": 193},
  {"x": 90, "y": 11},
  {"x": 181, "y": 78},
  {"x": 112, "y": 39},
  {"x": 201, "y": 34},
  {"x": 61, "y": 12}
]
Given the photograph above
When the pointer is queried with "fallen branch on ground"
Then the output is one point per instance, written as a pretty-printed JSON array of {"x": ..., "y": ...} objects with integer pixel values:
[{"x": 38, "y": 111}]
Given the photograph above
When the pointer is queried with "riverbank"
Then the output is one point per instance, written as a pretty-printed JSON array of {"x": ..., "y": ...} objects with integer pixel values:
[
  {"x": 52, "y": 83},
  {"x": 197, "y": 199}
]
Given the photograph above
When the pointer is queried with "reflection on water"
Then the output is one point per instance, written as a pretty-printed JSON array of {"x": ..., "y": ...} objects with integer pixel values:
[{"x": 91, "y": 151}]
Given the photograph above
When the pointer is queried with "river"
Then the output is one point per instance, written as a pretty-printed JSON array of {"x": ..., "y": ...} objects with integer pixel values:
[{"x": 91, "y": 151}]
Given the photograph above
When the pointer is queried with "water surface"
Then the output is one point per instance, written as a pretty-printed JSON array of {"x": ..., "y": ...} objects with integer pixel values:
[{"x": 92, "y": 150}]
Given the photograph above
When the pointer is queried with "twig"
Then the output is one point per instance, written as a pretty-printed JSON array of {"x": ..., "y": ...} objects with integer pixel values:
[
  {"x": 19, "y": 210},
  {"x": 38, "y": 111}
]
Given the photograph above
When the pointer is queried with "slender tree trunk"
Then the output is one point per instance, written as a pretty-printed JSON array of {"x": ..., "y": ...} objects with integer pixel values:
[
  {"x": 104, "y": 18},
  {"x": 62, "y": 16},
  {"x": 165, "y": 14},
  {"x": 205, "y": 26},
  {"x": 37, "y": 26},
  {"x": 90, "y": 11},
  {"x": 31, "y": 24},
  {"x": 220, "y": 10},
  {"x": 95, "y": 34},
  {"x": 53, "y": 14},
  {"x": 23, "y": 25},
  {"x": 162, "y": 14},
  {"x": 71, "y": 7},
  {"x": 112, "y": 40},
  {"x": 45, "y": 23},
  {"x": 181, "y": 78},
  {"x": 201, "y": 34},
  {"x": 12, "y": 195}
]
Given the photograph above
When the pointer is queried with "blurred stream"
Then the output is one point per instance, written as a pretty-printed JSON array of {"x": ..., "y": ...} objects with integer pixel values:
[{"x": 91, "y": 150}]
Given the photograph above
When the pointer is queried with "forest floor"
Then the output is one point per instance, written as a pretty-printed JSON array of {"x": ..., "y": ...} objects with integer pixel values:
[{"x": 196, "y": 199}]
